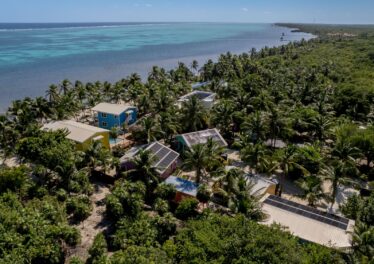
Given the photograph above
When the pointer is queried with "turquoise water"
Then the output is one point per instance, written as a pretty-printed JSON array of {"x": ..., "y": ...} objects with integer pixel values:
[
  {"x": 113, "y": 141},
  {"x": 33, "y": 56},
  {"x": 24, "y": 46}
]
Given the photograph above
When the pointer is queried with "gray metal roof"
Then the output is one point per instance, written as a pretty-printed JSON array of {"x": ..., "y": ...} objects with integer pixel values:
[
  {"x": 308, "y": 223},
  {"x": 163, "y": 156},
  {"x": 201, "y": 137}
]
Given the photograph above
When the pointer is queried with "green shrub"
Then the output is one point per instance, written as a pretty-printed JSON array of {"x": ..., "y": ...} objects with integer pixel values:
[
  {"x": 70, "y": 235},
  {"x": 140, "y": 255},
  {"x": 161, "y": 206},
  {"x": 187, "y": 208},
  {"x": 80, "y": 207},
  {"x": 98, "y": 249},
  {"x": 166, "y": 226},
  {"x": 166, "y": 191},
  {"x": 126, "y": 199},
  {"x": 139, "y": 232},
  {"x": 13, "y": 179},
  {"x": 76, "y": 260},
  {"x": 203, "y": 193}
]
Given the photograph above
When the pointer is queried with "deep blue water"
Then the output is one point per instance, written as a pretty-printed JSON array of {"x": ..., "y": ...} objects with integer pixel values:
[{"x": 33, "y": 56}]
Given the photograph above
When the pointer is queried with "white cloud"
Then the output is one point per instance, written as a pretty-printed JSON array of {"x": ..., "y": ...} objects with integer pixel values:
[{"x": 244, "y": 9}]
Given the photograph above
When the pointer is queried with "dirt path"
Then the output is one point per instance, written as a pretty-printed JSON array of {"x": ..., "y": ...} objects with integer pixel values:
[{"x": 94, "y": 224}]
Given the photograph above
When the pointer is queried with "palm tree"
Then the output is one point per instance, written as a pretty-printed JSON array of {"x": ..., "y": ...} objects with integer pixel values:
[
  {"x": 322, "y": 125},
  {"x": 194, "y": 116},
  {"x": 134, "y": 78},
  {"x": 195, "y": 65},
  {"x": 312, "y": 189},
  {"x": 65, "y": 86},
  {"x": 143, "y": 104},
  {"x": 256, "y": 155},
  {"x": 287, "y": 160},
  {"x": 53, "y": 93},
  {"x": 245, "y": 200},
  {"x": 163, "y": 99},
  {"x": 196, "y": 158},
  {"x": 97, "y": 157},
  {"x": 338, "y": 177},
  {"x": 213, "y": 152},
  {"x": 222, "y": 117},
  {"x": 278, "y": 125},
  {"x": 144, "y": 170},
  {"x": 8, "y": 137},
  {"x": 227, "y": 180},
  {"x": 168, "y": 125},
  {"x": 362, "y": 242},
  {"x": 346, "y": 153},
  {"x": 255, "y": 126},
  {"x": 150, "y": 129},
  {"x": 116, "y": 93}
]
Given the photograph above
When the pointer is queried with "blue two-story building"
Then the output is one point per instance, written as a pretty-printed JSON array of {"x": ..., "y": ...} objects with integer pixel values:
[{"x": 115, "y": 115}]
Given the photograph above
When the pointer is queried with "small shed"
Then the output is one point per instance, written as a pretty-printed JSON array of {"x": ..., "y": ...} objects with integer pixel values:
[
  {"x": 165, "y": 159},
  {"x": 115, "y": 115},
  {"x": 199, "y": 137},
  {"x": 262, "y": 185},
  {"x": 185, "y": 188}
]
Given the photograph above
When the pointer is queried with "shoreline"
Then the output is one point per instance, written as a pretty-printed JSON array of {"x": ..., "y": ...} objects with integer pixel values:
[{"x": 114, "y": 65}]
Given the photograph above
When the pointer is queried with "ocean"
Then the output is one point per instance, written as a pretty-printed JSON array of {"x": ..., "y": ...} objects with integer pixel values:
[{"x": 33, "y": 56}]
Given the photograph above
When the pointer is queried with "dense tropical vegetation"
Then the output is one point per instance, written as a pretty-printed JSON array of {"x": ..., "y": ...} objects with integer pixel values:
[{"x": 315, "y": 97}]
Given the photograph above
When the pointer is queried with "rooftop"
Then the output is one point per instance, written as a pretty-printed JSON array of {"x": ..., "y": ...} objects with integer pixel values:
[
  {"x": 114, "y": 109},
  {"x": 308, "y": 223},
  {"x": 182, "y": 185},
  {"x": 202, "y": 95},
  {"x": 78, "y": 132},
  {"x": 201, "y": 137},
  {"x": 200, "y": 84},
  {"x": 163, "y": 156},
  {"x": 261, "y": 184}
]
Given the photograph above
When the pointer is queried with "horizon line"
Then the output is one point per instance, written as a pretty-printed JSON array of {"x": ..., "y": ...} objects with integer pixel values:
[{"x": 149, "y": 22}]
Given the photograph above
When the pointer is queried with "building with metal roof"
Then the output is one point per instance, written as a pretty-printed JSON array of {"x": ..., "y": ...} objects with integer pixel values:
[
  {"x": 200, "y": 84},
  {"x": 115, "y": 115},
  {"x": 185, "y": 188},
  {"x": 200, "y": 137},
  {"x": 262, "y": 185},
  {"x": 308, "y": 223},
  {"x": 81, "y": 134},
  {"x": 206, "y": 98},
  {"x": 165, "y": 159}
]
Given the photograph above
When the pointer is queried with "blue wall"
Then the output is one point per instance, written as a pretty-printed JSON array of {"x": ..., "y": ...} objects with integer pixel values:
[{"x": 111, "y": 121}]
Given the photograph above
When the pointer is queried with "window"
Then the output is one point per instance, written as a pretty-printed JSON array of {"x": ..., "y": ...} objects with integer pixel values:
[
  {"x": 103, "y": 115},
  {"x": 104, "y": 124},
  {"x": 115, "y": 116}
]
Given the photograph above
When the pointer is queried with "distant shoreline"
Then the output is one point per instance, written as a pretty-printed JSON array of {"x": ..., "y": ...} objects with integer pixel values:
[{"x": 32, "y": 79}]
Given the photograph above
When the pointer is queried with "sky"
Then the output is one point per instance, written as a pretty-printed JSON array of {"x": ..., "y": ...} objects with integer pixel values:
[{"x": 264, "y": 11}]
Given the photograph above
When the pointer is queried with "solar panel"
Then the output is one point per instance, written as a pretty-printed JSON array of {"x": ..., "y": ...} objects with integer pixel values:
[
  {"x": 155, "y": 147},
  {"x": 162, "y": 153},
  {"x": 201, "y": 137},
  {"x": 163, "y": 156},
  {"x": 167, "y": 160},
  {"x": 310, "y": 209},
  {"x": 308, "y": 212}
]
